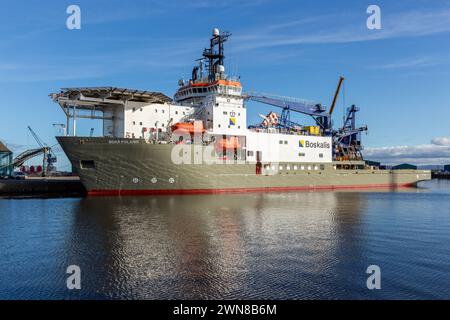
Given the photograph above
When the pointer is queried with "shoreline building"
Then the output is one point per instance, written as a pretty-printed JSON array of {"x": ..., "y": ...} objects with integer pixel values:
[{"x": 5, "y": 160}]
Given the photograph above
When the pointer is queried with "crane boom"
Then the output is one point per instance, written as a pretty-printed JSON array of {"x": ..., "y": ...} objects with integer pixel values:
[
  {"x": 35, "y": 136},
  {"x": 341, "y": 79}
]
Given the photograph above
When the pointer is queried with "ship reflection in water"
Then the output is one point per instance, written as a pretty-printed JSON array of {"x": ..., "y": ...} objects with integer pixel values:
[{"x": 279, "y": 245}]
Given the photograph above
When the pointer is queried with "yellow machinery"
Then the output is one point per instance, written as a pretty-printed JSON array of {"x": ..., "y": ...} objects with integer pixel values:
[{"x": 312, "y": 130}]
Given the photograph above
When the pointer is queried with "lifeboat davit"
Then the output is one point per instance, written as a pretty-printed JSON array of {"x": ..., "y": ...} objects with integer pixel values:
[
  {"x": 189, "y": 127},
  {"x": 230, "y": 143}
]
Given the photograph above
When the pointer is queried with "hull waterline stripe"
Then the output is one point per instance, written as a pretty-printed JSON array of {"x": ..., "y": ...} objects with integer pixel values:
[{"x": 117, "y": 192}]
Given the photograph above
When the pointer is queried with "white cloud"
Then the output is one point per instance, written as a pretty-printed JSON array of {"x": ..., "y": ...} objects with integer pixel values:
[
  {"x": 441, "y": 141},
  {"x": 409, "y": 63},
  {"x": 400, "y": 25},
  {"x": 437, "y": 152}
]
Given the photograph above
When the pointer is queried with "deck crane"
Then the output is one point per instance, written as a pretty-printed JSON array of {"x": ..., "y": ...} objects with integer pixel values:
[
  {"x": 346, "y": 140},
  {"x": 315, "y": 110}
]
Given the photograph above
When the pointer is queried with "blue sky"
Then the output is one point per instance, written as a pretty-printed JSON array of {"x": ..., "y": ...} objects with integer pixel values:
[{"x": 399, "y": 76}]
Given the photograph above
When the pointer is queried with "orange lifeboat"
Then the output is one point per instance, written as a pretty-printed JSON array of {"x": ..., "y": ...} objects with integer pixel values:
[
  {"x": 231, "y": 143},
  {"x": 189, "y": 127}
]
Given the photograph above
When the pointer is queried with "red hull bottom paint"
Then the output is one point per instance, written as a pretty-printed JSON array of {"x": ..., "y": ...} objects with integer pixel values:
[{"x": 241, "y": 190}]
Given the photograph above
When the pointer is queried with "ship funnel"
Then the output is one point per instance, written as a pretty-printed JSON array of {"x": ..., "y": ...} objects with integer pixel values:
[{"x": 215, "y": 32}]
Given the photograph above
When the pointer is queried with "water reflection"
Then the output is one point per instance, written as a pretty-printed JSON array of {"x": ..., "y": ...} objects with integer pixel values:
[{"x": 210, "y": 246}]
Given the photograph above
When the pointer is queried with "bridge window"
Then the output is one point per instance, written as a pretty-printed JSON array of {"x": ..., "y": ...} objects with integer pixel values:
[{"x": 250, "y": 153}]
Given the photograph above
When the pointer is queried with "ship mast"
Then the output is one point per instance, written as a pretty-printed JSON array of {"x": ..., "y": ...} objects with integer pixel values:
[{"x": 215, "y": 54}]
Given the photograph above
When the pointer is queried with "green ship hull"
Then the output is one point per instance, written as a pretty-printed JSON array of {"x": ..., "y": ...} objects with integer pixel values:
[{"x": 111, "y": 166}]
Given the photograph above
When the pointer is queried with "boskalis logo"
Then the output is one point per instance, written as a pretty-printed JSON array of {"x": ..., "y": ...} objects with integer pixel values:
[
  {"x": 302, "y": 143},
  {"x": 313, "y": 145}
]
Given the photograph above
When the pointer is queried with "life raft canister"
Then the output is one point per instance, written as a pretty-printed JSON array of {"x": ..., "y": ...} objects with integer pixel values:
[{"x": 230, "y": 143}]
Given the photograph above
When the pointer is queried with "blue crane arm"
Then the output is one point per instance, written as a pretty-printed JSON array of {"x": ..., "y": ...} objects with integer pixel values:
[{"x": 309, "y": 108}]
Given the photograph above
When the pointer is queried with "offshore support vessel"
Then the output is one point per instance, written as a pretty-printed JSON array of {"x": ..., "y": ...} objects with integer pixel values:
[{"x": 199, "y": 141}]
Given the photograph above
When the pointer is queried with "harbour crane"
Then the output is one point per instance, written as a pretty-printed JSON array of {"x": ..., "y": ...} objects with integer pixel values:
[{"x": 49, "y": 156}]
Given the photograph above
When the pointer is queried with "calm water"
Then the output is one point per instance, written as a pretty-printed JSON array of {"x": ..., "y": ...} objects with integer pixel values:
[{"x": 278, "y": 245}]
